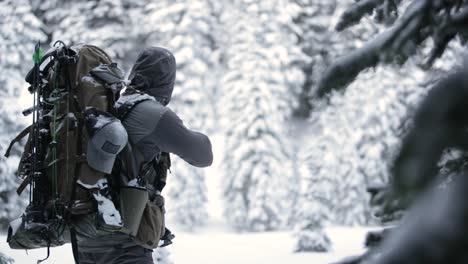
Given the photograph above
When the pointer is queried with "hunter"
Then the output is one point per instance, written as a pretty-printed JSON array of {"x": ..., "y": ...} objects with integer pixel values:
[{"x": 154, "y": 130}]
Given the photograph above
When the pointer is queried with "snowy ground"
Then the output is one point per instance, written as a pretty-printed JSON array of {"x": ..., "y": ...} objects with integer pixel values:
[{"x": 217, "y": 245}]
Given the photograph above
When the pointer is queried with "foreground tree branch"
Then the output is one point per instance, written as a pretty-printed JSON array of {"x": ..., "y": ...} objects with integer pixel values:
[
  {"x": 399, "y": 41},
  {"x": 440, "y": 20},
  {"x": 354, "y": 14}
]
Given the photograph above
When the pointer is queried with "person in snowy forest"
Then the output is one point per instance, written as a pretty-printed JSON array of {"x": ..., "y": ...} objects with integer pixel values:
[{"x": 153, "y": 130}]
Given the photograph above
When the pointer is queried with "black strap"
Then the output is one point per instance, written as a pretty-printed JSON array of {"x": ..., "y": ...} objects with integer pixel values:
[
  {"x": 167, "y": 237},
  {"x": 162, "y": 167},
  {"x": 23, "y": 184},
  {"x": 48, "y": 254},
  {"x": 20, "y": 136},
  {"x": 74, "y": 243},
  {"x": 128, "y": 161}
]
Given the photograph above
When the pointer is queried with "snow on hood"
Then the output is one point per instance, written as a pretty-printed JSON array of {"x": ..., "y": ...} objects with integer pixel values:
[{"x": 154, "y": 72}]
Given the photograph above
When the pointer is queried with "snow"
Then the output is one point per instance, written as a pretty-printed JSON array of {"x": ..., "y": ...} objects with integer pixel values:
[
  {"x": 216, "y": 244},
  {"x": 106, "y": 207},
  {"x": 100, "y": 184},
  {"x": 15, "y": 224},
  {"x": 107, "y": 210},
  {"x": 134, "y": 183}
]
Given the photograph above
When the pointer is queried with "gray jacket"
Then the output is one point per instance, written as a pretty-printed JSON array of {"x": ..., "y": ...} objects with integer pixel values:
[{"x": 153, "y": 128}]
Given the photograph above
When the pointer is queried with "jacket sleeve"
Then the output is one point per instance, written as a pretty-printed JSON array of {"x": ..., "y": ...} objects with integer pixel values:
[{"x": 172, "y": 136}]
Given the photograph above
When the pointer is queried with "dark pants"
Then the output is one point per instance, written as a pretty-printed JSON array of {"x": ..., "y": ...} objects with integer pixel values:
[
  {"x": 130, "y": 255},
  {"x": 106, "y": 248}
]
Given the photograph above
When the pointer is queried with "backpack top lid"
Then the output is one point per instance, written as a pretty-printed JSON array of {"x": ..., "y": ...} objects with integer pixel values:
[
  {"x": 89, "y": 57},
  {"x": 107, "y": 138}
]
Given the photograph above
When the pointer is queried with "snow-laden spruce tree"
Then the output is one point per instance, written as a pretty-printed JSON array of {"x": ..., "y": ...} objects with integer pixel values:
[
  {"x": 255, "y": 102},
  {"x": 314, "y": 22},
  {"x": 314, "y": 210},
  {"x": 105, "y": 24},
  {"x": 356, "y": 137},
  {"x": 313, "y": 26},
  {"x": 19, "y": 32},
  {"x": 187, "y": 29},
  {"x": 195, "y": 52}
]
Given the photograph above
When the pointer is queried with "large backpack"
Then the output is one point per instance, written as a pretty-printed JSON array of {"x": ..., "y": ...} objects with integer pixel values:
[{"x": 66, "y": 81}]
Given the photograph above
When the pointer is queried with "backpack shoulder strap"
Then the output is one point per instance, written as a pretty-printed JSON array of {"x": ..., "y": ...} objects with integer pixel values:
[
  {"x": 125, "y": 168},
  {"x": 128, "y": 100},
  {"x": 162, "y": 167}
]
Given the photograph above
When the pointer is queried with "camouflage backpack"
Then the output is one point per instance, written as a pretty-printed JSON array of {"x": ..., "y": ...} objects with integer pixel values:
[{"x": 69, "y": 83}]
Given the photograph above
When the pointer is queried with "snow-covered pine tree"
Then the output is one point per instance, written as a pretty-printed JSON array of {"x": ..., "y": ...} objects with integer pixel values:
[
  {"x": 19, "y": 32},
  {"x": 357, "y": 136},
  {"x": 319, "y": 182},
  {"x": 105, "y": 25},
  {"x": 315, "y": 210},
  {"x": 258, "y": 56},
  {"x": 187, "y": 29},
  {"x": 313, "y": 24},
  {"x": 153, "y": 23},
  {"x": 195, "y": 51}
]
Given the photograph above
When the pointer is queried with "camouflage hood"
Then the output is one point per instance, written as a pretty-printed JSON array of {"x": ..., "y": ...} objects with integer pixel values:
[{"x": 154, "y": 73}]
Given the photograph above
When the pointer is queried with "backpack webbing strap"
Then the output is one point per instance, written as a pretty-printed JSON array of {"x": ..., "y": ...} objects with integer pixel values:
[
  {"x": 163, "y": 166},
  {"x": 122, "y": 109},
  {"x": 20, "y": 136},
  {"x": 48, "y": 254},
  {"x": 23, "y": 184},
  {"x": 74, "y": 244},
  {"x": 127, "y": 159}
]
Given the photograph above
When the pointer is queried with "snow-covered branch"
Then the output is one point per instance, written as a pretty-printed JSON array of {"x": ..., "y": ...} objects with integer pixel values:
[
  {"x": 421, "y": 20},
  {"x": 354, "y": 14}
]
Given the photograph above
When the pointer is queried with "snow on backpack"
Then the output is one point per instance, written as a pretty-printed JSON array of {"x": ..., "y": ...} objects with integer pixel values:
[{"x": 74, "y": 90}]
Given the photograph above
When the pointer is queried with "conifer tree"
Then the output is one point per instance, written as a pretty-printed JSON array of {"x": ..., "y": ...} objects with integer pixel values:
[
  {"x": 314, "y": 211},
  {"x": 105, "y": 25},
  {"x": 255, "y": 101},
  {"x": 19, "y": 32},
  {"x": 358, "y": 146},
  {"x": 187, "y": 29},
  {"x": 313, "y": 23}
]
